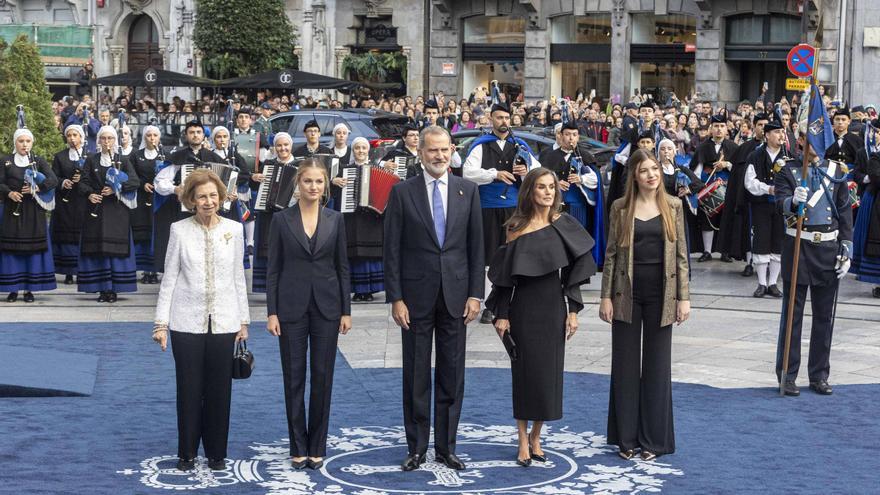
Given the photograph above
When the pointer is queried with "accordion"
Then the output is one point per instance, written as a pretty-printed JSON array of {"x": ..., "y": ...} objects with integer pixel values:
[
  {"x": 277, "y": 188},
  {"x": 404, "y": 165},
  {"x": 227, "y": 173},
  {"x": 366, "y": 187}
]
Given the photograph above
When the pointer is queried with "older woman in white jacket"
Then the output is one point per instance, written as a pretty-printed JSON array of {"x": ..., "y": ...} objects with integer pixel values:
[{"x": 203, "y": 301}]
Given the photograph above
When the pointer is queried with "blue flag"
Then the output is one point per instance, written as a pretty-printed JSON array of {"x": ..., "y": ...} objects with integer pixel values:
[{"x": 819, "y": 132}]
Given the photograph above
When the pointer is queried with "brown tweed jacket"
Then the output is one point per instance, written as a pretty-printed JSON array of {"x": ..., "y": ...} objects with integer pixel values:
[{"x": 617, "y": 272}]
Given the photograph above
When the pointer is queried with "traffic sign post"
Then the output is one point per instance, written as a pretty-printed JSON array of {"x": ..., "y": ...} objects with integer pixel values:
[{"x": 801, "y": 60}]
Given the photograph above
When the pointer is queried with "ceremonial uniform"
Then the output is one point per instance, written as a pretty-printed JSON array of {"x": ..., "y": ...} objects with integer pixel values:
[
  {"x": 107, "y": 257},
  {"x": 827, "y": 233},
  {"x": 584, "y": 201},
  {"x": 707, "y": 154},
  {"x": 25, "y": 254},
  {"x": 70, "y": 210},
  {"x": 768, "y": 224}
]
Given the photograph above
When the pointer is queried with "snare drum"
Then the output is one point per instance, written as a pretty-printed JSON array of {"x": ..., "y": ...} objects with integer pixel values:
[
  {"x": 711, "y": 197},
  {"x": 854, "y": 198}
]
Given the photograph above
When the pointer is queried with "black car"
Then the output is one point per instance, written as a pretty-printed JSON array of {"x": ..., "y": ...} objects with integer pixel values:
[{"x": 378, "y": 127}]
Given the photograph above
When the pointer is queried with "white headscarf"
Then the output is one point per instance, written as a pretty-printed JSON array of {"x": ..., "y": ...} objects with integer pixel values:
[
  {"x": 106, "y": 159},
  {"x": 283, "y": 135},
  {"x": 340, "y": 125},
  {"x": 22, "y": 132},
  {"x": 359, "y": 139},
  {"x": 149, "y": 154},
  {"x": 75, "y": 154},
  {"x": 217, "y": 130}
]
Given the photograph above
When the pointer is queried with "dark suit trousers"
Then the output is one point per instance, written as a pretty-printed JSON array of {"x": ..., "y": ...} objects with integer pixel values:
[
  {"x": 640, "y": 403},
  {"x": 203, "y": 364},
  {"x": 312, "y": 330},
  {"x": 451, "y": 335},
  {"x": 822, "y": 299}
]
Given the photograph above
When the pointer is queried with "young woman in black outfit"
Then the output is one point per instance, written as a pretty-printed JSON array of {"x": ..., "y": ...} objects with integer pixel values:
[{"x": 644, "y": 291}]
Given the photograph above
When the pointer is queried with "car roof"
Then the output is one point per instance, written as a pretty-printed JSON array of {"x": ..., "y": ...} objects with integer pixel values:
[{"x": 347, "y": 113}]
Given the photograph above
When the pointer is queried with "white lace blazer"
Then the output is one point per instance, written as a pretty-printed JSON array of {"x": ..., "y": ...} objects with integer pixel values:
[{"x": 204, "y": 279}]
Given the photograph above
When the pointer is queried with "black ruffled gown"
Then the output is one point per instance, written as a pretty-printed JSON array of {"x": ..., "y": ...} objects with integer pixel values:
[{"x": 545, "y": 267}]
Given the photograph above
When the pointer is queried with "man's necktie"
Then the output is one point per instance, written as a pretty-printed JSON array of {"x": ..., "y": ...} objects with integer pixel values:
[{"x": 439, "y": 216}]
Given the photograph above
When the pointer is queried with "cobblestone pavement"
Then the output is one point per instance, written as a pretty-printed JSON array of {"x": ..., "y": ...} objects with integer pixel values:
[{"x": 729, "y": 341}]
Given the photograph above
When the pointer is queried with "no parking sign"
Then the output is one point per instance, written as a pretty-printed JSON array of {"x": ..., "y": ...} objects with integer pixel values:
[{"x": 801, "y": 60}]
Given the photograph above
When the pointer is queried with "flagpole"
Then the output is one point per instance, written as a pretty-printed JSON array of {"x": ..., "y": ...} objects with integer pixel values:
[{"x": 805, "y": 169}]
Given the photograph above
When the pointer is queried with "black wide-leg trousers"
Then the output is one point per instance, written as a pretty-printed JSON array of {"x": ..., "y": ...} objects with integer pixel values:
[
  {"x": 640, "y": 403},
  {"x": 203, "y": 364}
]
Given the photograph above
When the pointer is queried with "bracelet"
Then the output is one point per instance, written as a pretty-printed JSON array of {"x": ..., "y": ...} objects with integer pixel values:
[{"x": 160, "y": 328}]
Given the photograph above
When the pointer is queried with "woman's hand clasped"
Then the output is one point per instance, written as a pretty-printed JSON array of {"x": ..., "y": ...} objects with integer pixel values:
[
  {"x": 606, "y": 310},
  {"x": 682, "y": 311},
  {"x": 273, "y": 326},
  {"x": 344, "y": 324},
  {"x": 502, "y": 326}
]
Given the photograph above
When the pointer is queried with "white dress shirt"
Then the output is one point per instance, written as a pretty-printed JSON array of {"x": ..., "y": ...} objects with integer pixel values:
[
  {"x": 444, "y": 191},
  {"x": 204, "y": 278},
  {"x": 473, "y": 166},
  {"x": 755, "y": 186}
]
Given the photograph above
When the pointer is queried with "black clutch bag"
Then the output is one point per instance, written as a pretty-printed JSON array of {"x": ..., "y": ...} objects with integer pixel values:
[
  {"x": 242, "y": 362},
  {"x": 510, "y": 346}
]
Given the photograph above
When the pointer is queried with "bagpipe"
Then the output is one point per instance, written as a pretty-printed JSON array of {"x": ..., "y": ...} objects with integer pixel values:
[
  {"x": 33, "y": 178},
  {"x": 79, "y": 165},
  {"x": 115, "y": 179}
]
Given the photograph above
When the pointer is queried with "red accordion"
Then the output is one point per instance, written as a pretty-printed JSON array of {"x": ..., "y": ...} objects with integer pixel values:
[{"x": 366, "y": 187}]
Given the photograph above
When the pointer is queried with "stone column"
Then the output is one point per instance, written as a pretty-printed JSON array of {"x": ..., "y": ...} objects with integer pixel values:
[
  {"x": 340, "y": 53},
  {"x": 414, "y": 80},
  {"x": 116, "y": 52},
  {"x": 445, "y": 48},
  {"x": 536, "y": 65},
  {"x": 620, "y": 45},
  {"x": 708, "y": 77}
]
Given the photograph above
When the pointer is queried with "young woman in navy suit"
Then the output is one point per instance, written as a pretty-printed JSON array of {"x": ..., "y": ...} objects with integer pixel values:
[{"x": 308, "y": 306}]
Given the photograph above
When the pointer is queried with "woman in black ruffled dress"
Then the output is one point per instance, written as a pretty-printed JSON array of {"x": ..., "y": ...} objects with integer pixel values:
[{"x": 536, "y": 279}]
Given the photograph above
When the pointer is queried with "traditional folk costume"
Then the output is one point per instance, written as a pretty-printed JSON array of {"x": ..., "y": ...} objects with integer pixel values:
[
  {"x": 768, "y": 223},
  {"x": 583, "y": 201},
  {"x": 866, "y": 238},
  {"x": 25, "y": 254},
  {"x": 707, "y": 154},
  {"x": 364, "y": 235},
  {"x": 107, "y": 258},
  {"x": 263, "y": 222},
  {"x": 145, "y": 162},
  {"x": 70, "y": 207}
]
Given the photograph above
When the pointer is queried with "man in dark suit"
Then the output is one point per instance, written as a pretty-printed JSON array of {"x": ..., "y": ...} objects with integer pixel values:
[{"x": 433, "y": 258}]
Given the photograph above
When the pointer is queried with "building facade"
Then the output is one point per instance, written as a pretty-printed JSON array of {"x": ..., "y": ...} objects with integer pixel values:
[{"x": 723, "y": 50}]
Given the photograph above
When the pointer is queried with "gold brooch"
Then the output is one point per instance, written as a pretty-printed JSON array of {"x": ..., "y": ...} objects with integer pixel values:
[{"x": 227, "y": 236}]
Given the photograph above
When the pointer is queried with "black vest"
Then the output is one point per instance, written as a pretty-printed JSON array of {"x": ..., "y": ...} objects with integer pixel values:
[{"x": 495, "y": 157}]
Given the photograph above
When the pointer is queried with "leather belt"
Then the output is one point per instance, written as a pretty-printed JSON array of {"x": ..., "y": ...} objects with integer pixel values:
[{"x": 814, "y": 237}]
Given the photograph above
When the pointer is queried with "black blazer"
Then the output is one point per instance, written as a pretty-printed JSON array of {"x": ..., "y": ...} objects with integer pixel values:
[
  {"x": 415, "y": 265},
  {"x": 295, "y": 273}
]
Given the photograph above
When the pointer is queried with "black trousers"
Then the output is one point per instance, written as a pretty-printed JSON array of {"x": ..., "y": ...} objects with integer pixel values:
[
  {"x": 451, "y": 336},
  {"x": 640, "y": 403},
  {"x": 822, "y": 302},
  {"x": 308, "y": 437},
  {"x": 203, "y": 364}
]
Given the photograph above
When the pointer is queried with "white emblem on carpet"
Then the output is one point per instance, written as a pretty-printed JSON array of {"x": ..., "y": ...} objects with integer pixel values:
[{"x": 365, "y": 461}]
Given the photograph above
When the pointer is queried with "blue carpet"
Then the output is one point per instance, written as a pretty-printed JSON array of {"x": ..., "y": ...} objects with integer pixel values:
[{"x": 122, "y": 439}]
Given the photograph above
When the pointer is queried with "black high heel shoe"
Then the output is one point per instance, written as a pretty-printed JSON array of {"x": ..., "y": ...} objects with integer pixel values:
[
  {"x": 186, "y": 464},
  {"x": 12, "y": 297},
  {"x": 523, "y": 462},
  {"x": 315, "y": 465},
  {"x": 299, "y": 464}
]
